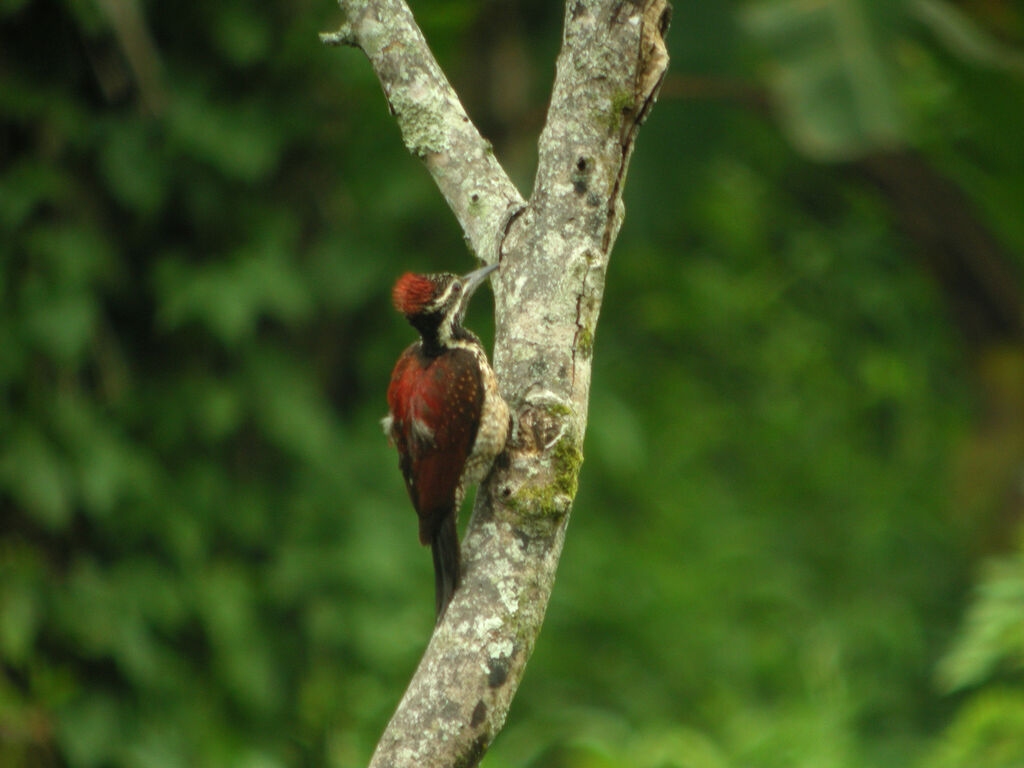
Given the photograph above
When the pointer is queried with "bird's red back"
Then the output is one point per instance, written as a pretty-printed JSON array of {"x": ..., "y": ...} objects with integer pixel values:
[{"x": 435, "y": 405}]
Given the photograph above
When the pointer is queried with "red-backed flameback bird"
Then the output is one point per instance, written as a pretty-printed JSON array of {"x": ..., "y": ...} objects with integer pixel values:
[{"x": 446, "y": 416}]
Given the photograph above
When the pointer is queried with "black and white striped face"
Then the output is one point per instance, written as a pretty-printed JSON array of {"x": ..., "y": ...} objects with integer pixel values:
[
  {"x": 447, "y": 301},
  {"x": 435, "y": 304}
]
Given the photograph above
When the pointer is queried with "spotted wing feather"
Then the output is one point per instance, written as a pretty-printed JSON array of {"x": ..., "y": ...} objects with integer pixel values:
[{"x": 435, "y": 408}]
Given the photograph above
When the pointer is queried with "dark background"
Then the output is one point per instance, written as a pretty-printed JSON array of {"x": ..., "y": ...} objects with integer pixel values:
[{"x": 797, "y": 539}]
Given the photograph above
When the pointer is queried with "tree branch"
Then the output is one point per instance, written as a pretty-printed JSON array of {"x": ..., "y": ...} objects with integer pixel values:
[
  {"x": 554, "y": 253},
  {"x": 433, "y": 122}
]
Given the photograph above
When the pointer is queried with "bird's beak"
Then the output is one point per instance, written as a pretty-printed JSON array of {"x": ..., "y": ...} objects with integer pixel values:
[{"x": 472, "y": 281}]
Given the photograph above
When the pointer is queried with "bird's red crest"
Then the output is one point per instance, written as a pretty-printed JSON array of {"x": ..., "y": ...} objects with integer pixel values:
[{"x": 412, "y": 292}]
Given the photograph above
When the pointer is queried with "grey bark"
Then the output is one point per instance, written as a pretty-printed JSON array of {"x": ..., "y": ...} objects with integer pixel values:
[{"x": 553, "y": 252}]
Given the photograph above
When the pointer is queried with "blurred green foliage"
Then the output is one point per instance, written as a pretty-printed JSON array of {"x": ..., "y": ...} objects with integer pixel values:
[{"x": 206, "y": 553}]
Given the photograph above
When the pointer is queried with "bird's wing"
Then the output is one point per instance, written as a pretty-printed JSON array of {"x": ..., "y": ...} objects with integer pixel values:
[{"x": 435, "y": 407}]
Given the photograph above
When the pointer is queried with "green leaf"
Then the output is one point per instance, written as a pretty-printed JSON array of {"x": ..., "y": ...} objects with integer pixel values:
[
  {"x": 241, "y": 32},
  {"x": 345, "y": 273},
  {"x": 71, "y": 255},
  {"x": 133, "y": 166},
  {"x": 294, "y": 414},
  {"x": 988, "y": 732},
  {"x": 828, "y": 75},
  {"x": 58, "y": 308},
  {"x": 89, "y": 730},
  {"x": 229, "y": 297},
  {"x": 676, "y": 747},
  {"x": 964, "y": 38},
  {"x": 993, "y": 634},
  {"x": 26, "y": 186},
  {"x": 37, "y": 478},
  {"x": 236, "y": 139},
  {"x": 61, "y": 325},
  {"x": 21, "y": 613},
  {"x": 107, "y": 467}
]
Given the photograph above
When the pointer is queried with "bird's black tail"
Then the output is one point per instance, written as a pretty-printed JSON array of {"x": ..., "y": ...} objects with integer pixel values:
[{"x": 444, "y": 545}]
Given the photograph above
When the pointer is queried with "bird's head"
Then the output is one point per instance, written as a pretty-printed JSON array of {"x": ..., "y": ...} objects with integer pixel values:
[{"x": 435, "y": 304}]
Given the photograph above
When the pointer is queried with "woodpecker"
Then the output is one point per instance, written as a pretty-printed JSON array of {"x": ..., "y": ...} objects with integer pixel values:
[{"x": 446, "y": 416}]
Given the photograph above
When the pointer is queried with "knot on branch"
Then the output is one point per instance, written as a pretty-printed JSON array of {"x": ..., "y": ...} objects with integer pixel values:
[
  {"x": 545, "y": 462},
  {"x": 544, "y": 420},
  {"x": 343, "y": 35}
]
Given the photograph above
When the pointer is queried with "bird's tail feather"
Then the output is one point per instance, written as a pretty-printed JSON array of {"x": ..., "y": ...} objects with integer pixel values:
[{"x": 444, "y": 545}]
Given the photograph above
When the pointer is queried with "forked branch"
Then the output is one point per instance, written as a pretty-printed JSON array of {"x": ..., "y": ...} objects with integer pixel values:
[
  {"x": 554, "y": 252},
  {"x": 434, "y": 124}
]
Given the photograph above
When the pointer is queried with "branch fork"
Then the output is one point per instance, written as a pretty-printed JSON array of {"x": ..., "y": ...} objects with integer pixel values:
[{"x": 554, "y": 252}]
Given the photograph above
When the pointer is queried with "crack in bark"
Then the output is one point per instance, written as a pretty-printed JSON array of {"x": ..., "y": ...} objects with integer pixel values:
[
  {"x": 507, "y": 227},
  {"x": 580, "y": 325},
  {"x": 579, "y": 330}
]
